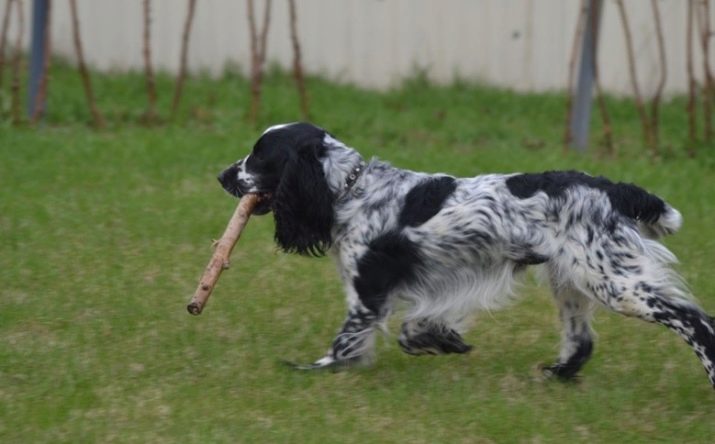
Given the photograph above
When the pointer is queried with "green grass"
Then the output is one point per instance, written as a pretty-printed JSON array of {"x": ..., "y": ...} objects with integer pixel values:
[{"x": 103, "y": 235}]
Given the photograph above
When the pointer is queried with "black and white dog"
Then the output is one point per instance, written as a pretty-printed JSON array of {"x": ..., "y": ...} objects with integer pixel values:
[{"x": 446, "y": 246}]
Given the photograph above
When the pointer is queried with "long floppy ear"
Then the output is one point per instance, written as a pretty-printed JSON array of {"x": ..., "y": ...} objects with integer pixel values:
[{"x": 303, "y": 205}]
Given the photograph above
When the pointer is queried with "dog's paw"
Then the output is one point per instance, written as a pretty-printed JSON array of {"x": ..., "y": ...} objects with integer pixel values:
[
  {"x": 431, "y": 343},
  {"x": 324, "y": 363},
  {"x": 559, "y": 372}
]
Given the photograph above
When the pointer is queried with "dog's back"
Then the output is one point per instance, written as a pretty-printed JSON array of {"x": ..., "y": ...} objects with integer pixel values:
[{"x": 654, "y": 216}]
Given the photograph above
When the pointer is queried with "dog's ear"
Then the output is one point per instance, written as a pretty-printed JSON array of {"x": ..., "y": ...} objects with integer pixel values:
[{"x": 303, "y": 204}]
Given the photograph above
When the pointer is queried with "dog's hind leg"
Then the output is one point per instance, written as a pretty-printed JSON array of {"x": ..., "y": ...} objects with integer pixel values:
[
  {"x": 631, "y": 276},
  {"x": 654, "y": 303},
  {"x": 575, "y": 312},
  {"x": 424, "y": 337}
]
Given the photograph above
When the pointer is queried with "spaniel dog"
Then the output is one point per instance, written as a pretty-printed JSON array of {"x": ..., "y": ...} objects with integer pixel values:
[{"x": 445, "y": 247}]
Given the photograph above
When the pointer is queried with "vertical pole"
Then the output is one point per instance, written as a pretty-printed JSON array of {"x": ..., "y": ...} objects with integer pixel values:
[
  {"x": 581, "y": 111},
  {"x": 37, "y": 54}
]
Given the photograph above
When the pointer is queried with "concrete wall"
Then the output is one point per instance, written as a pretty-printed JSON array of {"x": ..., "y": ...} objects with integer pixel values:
[{"x": 519, "y": 44}]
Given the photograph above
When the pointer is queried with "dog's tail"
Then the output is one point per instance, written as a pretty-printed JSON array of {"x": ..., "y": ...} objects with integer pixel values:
[
  {"x": 669, "y": 222},
  {"x": 654, "y": 216}
]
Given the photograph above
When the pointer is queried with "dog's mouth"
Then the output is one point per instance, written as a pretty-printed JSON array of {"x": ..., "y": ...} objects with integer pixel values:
[{"x": 264, "y": 203}]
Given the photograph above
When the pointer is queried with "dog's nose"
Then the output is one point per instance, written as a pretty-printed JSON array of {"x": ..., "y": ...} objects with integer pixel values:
[{"x": 224, "y": 176}]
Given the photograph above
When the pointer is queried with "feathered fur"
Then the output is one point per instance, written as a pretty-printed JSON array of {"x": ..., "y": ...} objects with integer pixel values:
[{"x": 446, "y": 247}]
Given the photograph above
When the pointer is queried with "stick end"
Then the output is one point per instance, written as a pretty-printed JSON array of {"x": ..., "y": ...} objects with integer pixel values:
[{"x": 194, "y": 308}]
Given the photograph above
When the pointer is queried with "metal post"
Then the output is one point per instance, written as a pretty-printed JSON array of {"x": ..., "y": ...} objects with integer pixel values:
[
  {"x": 37, "y": 54},
  {"x": 581, "y": 111}
]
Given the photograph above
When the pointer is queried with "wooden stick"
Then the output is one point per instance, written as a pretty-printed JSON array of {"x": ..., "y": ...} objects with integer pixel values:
[{"x": 219, "y": 260}]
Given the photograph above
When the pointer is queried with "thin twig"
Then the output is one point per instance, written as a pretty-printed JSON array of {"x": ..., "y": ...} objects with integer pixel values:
[
  {"x": 704, "y": 27},
  {"x": 655, "y": 101},
  {"x": 645, "y": 122},
  {"x": 184, "y": 56},
  {"x": 258, "y": 55},
  {"x": 577, "y": 37},
  {"x": 3, "y": 37},
  {"x": 16, "y": 65},
  {"x": 97, "y": 119},
  {"x": 600, "y": 97},
  {"x": 297, "y": 63},
  {"x": 148, "y": 69},
  {"x": 692, "y": 84},
  {"x": 41, "y": 97}
]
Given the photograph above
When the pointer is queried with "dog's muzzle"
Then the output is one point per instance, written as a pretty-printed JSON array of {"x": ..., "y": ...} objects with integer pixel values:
[{"x": 228, "y": 179}]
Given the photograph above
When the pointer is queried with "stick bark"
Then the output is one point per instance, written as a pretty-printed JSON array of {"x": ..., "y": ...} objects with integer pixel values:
[{"x": 220, "y": 258}]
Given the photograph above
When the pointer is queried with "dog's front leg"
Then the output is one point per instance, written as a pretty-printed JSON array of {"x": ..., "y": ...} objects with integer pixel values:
[{"x": 354, "y": 343}]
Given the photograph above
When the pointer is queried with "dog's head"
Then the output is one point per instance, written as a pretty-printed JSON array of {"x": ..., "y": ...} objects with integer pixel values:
[{"x": 285, "y": 169}]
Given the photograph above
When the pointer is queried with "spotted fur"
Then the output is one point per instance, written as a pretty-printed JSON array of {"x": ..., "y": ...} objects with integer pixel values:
[{"x": 445, "y": 247}]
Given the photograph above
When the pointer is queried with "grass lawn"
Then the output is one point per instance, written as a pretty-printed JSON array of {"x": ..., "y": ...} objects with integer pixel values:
[{"x": 103, "y": 235}]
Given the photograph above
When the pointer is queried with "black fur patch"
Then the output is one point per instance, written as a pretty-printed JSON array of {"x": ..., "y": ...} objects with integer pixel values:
[
  {"x": 390, "y": 261},
  {"x": 300, "y": 228},
  {"x": 425, "y": 200},
  {"x": 434, "y": 341},
  {"x": 569, "y": 369},
  {"x": 531, "y": 258},
  {"x": 628, "y": 199}
]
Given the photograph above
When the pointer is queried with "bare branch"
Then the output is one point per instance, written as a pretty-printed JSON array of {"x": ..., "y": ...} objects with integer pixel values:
[
  {"x": 97, "y": 119},
  {"x": 297, "y": 63},
  {"x": 704, "y": 27},
  {"x": 577, "y": 37},
  {"x": 17, "y": 64},
  {"x": 148, "y": 69},
  {"x": 264, "y": 30},
  {"x": 645, "y": 121},
  {"x": 184, "y": 56},
  {"x": 41, "y": 97},
  {"x": 600, "y": 98},
  {"x": 3, "y": 38},
  {"x": 258, "y": 55},
  {"x": 692, "y": 84},
  {"x": 655, "y": 101}
]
